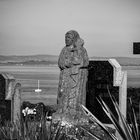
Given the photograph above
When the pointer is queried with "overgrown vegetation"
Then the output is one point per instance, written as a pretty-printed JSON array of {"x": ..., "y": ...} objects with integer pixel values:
[
  {"x": 96, "y": 130},
  {"x": 127, "y": 131},
  {"x": 45, "y": 130}
]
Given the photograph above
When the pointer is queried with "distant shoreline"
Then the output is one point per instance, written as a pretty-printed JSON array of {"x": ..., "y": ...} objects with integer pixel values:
[{"x": 53, "y": 59}]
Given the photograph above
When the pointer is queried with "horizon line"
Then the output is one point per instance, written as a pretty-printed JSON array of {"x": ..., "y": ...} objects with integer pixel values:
[{"x": 136, "y": 56}]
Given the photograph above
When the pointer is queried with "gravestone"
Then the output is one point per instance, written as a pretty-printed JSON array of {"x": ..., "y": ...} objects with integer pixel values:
[
  {"x": 6, "y": 91},
  {"x": 105, "y": 76},
  {"x": 16, "y": 103},
  {"x": 33, "y": 112},
  {"x": 9, "y": 98}
]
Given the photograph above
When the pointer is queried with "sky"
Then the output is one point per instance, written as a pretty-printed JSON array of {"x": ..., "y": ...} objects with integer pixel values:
[{"x": 108, "y": 27}]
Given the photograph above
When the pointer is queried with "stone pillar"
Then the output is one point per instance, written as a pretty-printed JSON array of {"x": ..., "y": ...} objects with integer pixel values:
[
  {"x": 120, "y": 79},
  {"x": 16, "y": 103},
  {"x": 123, "y": 94},
  {"x": 123, "y": 99}
]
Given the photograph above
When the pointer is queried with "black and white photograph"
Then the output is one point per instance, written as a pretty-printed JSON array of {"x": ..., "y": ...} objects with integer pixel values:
[{"x": 69, "y": 69}]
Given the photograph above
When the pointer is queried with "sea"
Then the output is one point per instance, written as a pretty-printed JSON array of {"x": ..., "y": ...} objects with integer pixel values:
[{"x": 48, "y": 76}]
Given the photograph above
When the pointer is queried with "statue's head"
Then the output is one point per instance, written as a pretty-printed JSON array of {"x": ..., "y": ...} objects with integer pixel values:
[
  {"x": 79, "y": 42},
  {"x": 71, "y": 37}
]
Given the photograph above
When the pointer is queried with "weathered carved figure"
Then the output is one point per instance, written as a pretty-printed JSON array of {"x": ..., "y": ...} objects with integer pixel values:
[{"x": 73, "y": 62}]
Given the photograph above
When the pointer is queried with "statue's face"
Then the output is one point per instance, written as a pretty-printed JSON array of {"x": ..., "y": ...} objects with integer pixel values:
[{"x": 69, "y": 39}]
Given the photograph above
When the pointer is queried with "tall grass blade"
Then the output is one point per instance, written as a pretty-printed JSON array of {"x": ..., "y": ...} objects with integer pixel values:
[
  {"x": 91, "y": 134},
  {"x": 112, "y": 118},
  {"x": 132, "y": 132},
  {"x": 91, "y": 116},
  {"x": 135, "y": 128},
  {"x": 123, "y": 122}
]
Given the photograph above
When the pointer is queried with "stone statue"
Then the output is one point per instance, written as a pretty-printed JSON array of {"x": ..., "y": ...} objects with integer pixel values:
[{"x": 73, "y": 62}]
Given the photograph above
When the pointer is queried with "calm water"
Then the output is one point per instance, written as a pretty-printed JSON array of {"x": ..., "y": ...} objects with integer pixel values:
[
  {"x": 28, "y": 76},
  {"x": 133, "y": 75},
  {"x": 49, "y": 76}
]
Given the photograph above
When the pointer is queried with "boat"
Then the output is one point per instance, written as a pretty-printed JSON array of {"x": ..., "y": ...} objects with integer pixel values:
[{"x": 38, "y": 90}]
